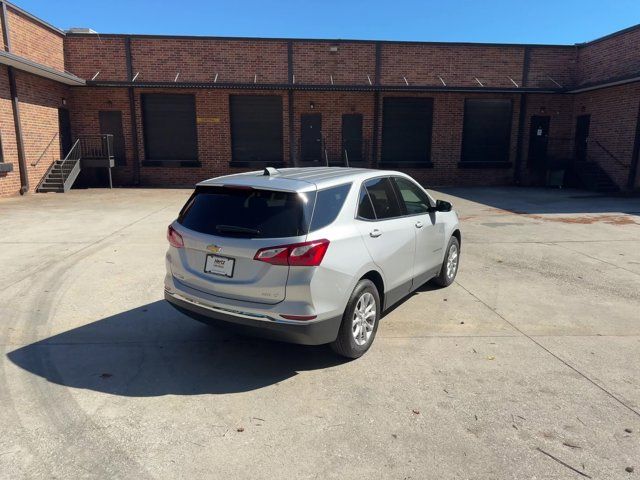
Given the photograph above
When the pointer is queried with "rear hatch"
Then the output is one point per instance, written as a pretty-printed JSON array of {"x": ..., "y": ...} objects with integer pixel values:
[{"x": 224, "y": 226}]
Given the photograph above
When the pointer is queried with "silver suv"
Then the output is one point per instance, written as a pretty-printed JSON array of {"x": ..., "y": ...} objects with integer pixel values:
[{"x": 308, "y": 255}]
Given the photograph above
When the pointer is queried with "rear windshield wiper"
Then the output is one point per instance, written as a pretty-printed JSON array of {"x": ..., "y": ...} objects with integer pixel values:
[{"x": 235, "y": 229}]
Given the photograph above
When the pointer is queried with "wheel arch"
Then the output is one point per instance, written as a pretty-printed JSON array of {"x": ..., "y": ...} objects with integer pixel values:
[
  {"x": 456, "y": 233},
  {"x": 375, "y": 277}
]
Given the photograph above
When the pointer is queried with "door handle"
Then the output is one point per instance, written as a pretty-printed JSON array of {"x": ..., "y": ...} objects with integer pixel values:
[
  {"x": 375, "y": 233},
  {"x": 419, "y": 224}
]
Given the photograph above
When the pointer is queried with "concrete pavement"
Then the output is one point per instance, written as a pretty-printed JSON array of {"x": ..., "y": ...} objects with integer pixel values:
[{"x": 527, "y": 367}]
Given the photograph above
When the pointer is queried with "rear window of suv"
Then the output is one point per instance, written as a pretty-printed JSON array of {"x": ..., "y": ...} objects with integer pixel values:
[{"x": 247, "y": 212}]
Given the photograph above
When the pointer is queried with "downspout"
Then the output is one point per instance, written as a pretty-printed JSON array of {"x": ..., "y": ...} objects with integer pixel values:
[
  {"x": 291, "y": 105},
  {"x": 133, "y": 116},
  {"x": 13, "y": 91},
  {"x": 635, "y": 156},
  {"x": 522, "y": 118},
  {"x": 376, "y": 106}
]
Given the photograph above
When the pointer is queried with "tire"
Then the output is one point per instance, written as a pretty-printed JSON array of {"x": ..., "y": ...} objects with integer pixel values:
[
  {"x": 448, "y": 275},
  {"x": 348, "y": 344}
]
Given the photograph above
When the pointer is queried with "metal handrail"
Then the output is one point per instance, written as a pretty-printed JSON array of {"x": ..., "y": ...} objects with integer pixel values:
[
  {"x": 74, "y": 154},
  {"x": 96, "y": 146},
  {"x": 611, "y": 155},
  {"x": 33, "y": 164}
]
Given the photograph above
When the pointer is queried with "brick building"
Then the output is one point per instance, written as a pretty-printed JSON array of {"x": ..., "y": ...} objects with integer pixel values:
[{"x": 182, "y": 109}]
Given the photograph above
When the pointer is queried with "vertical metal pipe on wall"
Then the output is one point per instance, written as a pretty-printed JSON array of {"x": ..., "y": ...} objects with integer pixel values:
[
  {"x": 522, "y": 118},
  {"x": 635, "y": 156},
  {"x": 133, "y": 115},
  {"x": 376, "y": 107},
  {"x": 15, "y": 104},
  {"x": 291, "y": 102}
]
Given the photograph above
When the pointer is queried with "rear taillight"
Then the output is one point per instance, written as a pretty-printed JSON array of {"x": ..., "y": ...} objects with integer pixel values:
[
  {"x": 175, "y": 239},
  {"x": 307, "y": 254}
]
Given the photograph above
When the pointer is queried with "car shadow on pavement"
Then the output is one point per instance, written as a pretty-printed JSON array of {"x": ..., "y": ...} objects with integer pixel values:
[{"x": 154, "y": 350}]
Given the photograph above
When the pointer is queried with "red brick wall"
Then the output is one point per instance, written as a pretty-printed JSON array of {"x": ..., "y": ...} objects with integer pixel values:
[
  {"x": 614, "y": 112},
  {"x": 456, "y": 64},
  {"x": 446, "y": 143},
  {"x": 557, "y": 63},
  {"x": 214, "y": 137},
  {"x": 332, "y": 105},
  {"x": 88, "y": 54},
  {"x": 9, "y": 182},
  {"x": 616, "y": 56},
  {"x": 85, "y": 105},
  {"x": 315, "y": 63},
  {"x": 34, "y": 41},
  {"x": 159, "y": 59},
  {"x": 198, "y": 60},
  {"x": 559, "y": 109},
  {"x": 39, "y": 101}
]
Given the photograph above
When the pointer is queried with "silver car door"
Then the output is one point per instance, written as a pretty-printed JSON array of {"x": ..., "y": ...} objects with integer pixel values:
[
  {"x": 389, "y": 237},
  {"x": 429, "y": 231}
]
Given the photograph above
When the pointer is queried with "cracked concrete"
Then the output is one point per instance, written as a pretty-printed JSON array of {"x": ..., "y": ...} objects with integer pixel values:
[{"x": 527, "y": 367}]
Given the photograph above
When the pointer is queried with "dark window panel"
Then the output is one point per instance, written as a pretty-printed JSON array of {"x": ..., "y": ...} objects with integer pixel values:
[
  {"x": 406, "y": 129},
  {"x": 256, "y": 128},
  {"x": 486, "y": 133},
  {"x": 170, "y": 131}
]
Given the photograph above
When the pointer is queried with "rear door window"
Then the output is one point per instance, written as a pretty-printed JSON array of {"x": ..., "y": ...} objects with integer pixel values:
[
  {"x": 329, "y": 202},
  {"x": 247, "y": 212},
  {"x": 365, "y": 207},
  {"x": 383, "y": 198}
]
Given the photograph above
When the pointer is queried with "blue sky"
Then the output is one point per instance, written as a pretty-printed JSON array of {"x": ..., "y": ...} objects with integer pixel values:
[{"x": 514, "y": 21}]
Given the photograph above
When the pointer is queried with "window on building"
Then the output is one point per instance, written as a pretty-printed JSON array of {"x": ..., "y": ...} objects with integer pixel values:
[
  {"x": 169, "y": 122},
  {"x": 406, "y": 130},
  {"x": 486, "y": 133},
  {"x": 256, "y": 128}
]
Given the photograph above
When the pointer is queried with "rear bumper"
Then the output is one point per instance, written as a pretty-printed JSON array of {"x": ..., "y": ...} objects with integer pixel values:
[{"x": 315, "y": 332}]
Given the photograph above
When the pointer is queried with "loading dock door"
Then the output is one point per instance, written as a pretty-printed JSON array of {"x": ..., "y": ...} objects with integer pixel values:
[
  {"x": 311, "y": 137},
  {"x": 406, "y": 129},
  {"x": 352, "y": 137},
  {"x": 256, "y": 128}
]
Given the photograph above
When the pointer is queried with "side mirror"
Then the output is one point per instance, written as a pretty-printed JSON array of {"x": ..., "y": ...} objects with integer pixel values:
[{"x": 442, "y": 206}]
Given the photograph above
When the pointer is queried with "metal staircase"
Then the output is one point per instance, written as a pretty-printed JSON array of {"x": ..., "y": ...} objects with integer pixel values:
[
  {"x": 592, "y": 177},
  {"x": 87, "y": 151}
]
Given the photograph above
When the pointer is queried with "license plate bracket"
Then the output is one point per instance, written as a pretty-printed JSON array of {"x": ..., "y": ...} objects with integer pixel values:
[{"x": 219, "y": 265}]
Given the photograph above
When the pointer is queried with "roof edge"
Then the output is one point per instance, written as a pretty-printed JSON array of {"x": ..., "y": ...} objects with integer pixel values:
[
  {"x": 33, "y": 17},
  {"x": 314, "y": 40},
  {"x": 610, "y": 35},
  {"x": 314, "y": 87},
  {"x": 29, "y": 66}
]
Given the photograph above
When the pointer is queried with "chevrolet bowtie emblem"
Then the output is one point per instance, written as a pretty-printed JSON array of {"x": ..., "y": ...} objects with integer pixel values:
[{"x": 214, "y": 248}]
